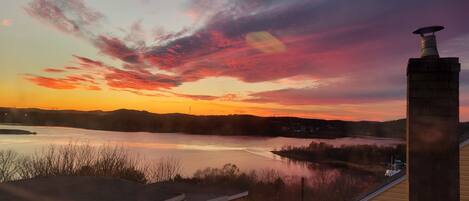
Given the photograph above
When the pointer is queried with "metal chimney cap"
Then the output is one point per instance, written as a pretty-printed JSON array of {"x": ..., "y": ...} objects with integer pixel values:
[{"x": 430, "y": 29}]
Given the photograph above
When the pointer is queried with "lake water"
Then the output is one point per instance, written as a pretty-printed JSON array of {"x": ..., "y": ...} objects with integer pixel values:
[{"x": 194, "y": 151}]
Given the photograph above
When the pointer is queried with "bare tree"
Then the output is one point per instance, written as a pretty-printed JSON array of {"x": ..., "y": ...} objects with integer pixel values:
[
  {"x": 165, "y": 169},
  {"x": 8, "y": 166}
]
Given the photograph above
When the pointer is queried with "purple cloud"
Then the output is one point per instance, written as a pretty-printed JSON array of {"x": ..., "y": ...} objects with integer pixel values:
[
  {"x": 71, "y": 16},
  {"x": 356, "y": 89}
]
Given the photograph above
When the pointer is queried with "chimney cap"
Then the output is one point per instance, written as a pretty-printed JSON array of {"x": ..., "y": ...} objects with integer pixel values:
[{"x": 430, "y": 29}]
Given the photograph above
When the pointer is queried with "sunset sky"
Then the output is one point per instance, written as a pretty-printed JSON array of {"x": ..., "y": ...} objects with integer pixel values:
[{"x": 331, "y": 59}]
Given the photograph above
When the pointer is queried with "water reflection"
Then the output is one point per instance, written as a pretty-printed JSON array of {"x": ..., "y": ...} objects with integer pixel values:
[{"x": 194, "y": 151}]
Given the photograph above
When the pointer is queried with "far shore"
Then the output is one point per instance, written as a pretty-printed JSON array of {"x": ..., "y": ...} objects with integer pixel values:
[
  {"x": 16, "y": 132},
  {"x": 126, "y": 120}
]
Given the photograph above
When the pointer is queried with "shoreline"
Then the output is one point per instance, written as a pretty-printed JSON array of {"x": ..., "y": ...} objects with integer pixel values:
[
  {"x": 372, "y": 169},
  {"x": 211, "y": 134},
  {"x": 16, "y": 132},
  {"x": 227, "y": 125}
]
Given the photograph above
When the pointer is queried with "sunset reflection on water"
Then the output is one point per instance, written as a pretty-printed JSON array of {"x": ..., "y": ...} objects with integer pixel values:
[{"x": 194, "y": 151}]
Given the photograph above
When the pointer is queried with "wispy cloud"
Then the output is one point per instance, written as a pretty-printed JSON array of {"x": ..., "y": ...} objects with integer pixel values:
[
  {"x": 327, "y": 95},
  {"x": 134, "y": 80},
  {"x": 51, "y": 82},
  {"x": 140, "y": 81},
  {"x": 71, "y": 16},
  {"x": 53, "y": 70},
  {"x": 66, "y": 82},
  {"x": 225, "y": 97},
  {"x": 111, "y": 76}
]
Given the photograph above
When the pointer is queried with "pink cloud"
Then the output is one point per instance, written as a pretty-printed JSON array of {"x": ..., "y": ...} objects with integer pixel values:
[
  {"x": 53, "y": 70},
  {"x": 114, "y": 47},
  {"x": 140, "y": 81},
  {"x": 86, "y": 62}
]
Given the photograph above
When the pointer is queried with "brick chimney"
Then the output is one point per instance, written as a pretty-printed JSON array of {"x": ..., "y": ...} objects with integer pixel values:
[{"x": 432, "y": 123}]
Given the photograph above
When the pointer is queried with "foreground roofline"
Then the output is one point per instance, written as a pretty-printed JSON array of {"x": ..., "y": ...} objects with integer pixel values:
[{"x": 400, "y": 177}]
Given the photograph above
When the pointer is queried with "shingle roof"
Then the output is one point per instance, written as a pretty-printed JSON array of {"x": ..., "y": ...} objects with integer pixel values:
[{"x": 82, "y": 188}]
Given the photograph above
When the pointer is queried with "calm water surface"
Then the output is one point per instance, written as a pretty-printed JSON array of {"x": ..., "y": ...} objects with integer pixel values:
[{"x": 194, "y": 151}]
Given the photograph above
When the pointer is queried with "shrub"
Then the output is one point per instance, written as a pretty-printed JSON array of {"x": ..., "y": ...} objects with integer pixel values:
[
  {"x": 84, "y": 160},
  {"x": 270, "y": 185},
  {"x": 8, "y": 168},
  {"x": 165, "y": 169}
]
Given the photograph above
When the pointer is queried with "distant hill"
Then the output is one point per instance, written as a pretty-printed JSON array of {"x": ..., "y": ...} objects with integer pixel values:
[{"x": 132, "y": 120}]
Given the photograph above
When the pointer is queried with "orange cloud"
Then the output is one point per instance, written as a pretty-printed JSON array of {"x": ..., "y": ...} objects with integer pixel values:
[
  {"x": 53, "y": 70},
  {"x": 93, "y": 88},
  {"x": 70, "y": 82},
  {"x": 140, "y": 93},
  {"x": 52, "y": 82},
  {"x": 72, "y": 68},
  {"x": 86, "y": 62}
]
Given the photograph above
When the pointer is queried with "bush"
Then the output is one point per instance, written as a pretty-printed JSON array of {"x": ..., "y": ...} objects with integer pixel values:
[
  {"x": 165, "y": 169},
  {"x": 84, "y": 160},
  {"x": 116, "y": 162},
  {"x": 8, "y": 167},
  {"x": 270, "y": 185}
]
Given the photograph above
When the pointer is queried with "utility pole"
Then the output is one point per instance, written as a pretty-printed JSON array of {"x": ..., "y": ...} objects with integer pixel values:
[{"x": 302, "y": 189}]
